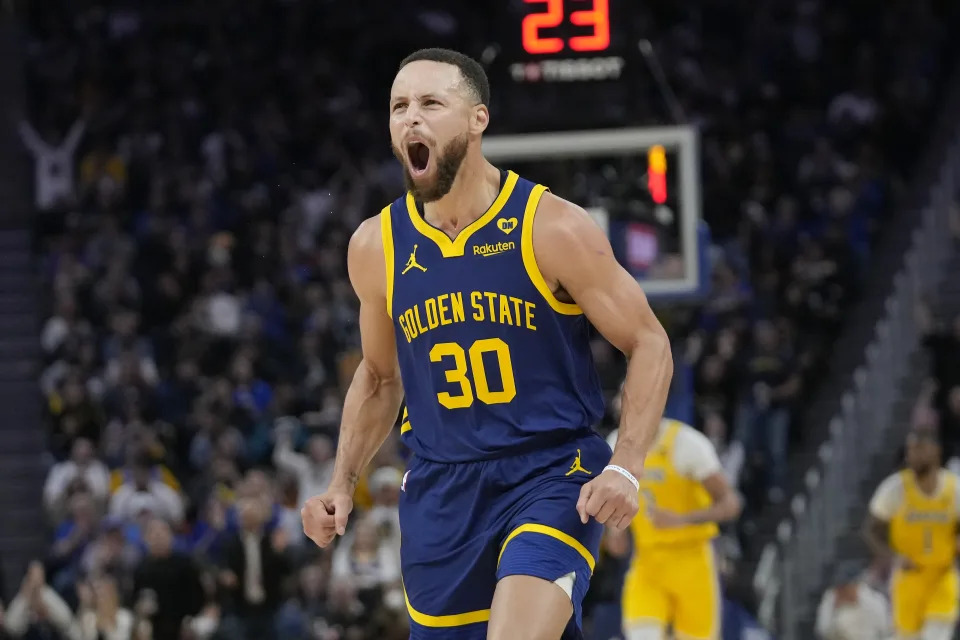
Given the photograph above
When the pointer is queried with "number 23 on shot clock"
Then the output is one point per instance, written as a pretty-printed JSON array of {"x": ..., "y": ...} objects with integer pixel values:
[{"x": 594, "y": 20}]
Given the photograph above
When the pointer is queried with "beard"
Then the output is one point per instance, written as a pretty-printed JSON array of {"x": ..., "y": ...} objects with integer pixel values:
[
  {"x": 448, "y": 163},
  {"x": 922, "y": 468}
]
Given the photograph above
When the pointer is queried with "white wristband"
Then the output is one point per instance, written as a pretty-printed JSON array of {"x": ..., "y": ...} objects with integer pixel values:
[{"x": 626, "y": 474}]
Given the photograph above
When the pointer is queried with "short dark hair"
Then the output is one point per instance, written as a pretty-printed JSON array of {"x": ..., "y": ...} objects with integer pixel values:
[{"x": 471, "y": 70}]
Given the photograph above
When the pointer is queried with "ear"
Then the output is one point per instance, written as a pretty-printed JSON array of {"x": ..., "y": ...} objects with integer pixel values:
[{"x": 479, "y": 119}]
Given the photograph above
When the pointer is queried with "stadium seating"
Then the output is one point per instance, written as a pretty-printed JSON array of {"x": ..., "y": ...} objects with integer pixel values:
[{"x": 199, "y": 326}]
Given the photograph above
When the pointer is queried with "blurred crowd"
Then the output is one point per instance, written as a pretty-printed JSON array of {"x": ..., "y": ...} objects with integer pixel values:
[
  {"x": 940, "y": 398},
  {"x": 199, "y": 170}
]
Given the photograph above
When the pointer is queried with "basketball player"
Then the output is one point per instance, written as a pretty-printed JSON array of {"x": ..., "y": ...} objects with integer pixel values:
[
  {"x": 913, "y": 524},
  {"x": 672, "y": 580},
  {"x": 477, "y": 290}
]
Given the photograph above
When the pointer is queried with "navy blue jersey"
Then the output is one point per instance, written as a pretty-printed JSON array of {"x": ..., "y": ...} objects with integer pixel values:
[{"x": 492, "y": 363}]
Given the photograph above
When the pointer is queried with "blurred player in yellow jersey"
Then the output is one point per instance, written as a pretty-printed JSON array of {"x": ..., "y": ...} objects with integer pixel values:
[
  {"x": 913, "y": 524},
  {"x": 672, "y": 581}
]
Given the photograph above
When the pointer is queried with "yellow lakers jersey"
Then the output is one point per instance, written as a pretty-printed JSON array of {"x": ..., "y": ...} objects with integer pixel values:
[
  {"x": 663, "y": 486},
  {"x": 924, "y": 529}
]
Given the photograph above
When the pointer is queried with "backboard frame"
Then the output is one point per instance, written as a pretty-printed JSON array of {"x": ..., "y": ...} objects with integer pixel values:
[{"x": 626, "y": 141}]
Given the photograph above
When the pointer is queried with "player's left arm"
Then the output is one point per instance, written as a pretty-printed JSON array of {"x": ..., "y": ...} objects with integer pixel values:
[
  {"x": 726, "y": 505},
  {"x": 577, "y": 262},
  {"x": 695, "y": 458}
]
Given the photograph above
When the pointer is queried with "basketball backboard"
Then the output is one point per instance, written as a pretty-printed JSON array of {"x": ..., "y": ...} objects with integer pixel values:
[{"x": 641, "y": 185}]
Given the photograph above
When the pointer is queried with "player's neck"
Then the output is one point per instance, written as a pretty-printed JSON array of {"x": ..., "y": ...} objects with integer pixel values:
[
  {"x": 927, "y": 481},
  {"x": 474, "y": 190}
]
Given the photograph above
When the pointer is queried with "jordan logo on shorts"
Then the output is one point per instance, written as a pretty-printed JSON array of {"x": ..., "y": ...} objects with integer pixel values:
[
  {"x": 412, "y": 262},
  {"x": 576, "y": 466}
]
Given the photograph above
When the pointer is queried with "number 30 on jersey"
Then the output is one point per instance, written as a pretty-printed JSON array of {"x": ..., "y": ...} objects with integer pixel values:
[{"x": 478, "y": 388}]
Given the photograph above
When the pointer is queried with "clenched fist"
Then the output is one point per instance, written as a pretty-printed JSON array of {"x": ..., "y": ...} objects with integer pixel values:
[
  {"x": 325, "y": 516},
  {"x": 610, "y": 498}
]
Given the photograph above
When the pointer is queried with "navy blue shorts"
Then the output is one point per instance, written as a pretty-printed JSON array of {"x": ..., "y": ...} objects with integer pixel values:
[{"x": 467, "y": 525}]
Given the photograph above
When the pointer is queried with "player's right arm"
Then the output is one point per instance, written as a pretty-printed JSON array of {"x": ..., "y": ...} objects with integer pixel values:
[
  {"x": 876, "y": 530},
  {"x": 373, "y": 399}
]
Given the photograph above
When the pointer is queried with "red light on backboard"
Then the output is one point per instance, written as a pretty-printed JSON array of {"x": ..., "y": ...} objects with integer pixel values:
[{"x": 657, "y": 173}]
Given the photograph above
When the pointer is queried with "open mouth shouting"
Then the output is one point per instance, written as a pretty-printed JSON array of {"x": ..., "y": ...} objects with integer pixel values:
[{"x": 418, "y": 156}]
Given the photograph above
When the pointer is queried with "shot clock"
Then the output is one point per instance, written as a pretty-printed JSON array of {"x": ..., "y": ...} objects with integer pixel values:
[
  {"x": 564, "y": 64},
  {"x": 565, "y": 40},
  {"x": 553, "y": 14}
]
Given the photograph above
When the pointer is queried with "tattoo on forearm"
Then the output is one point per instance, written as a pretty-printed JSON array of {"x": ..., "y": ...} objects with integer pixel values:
[{"x": 353, "y": 478}]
